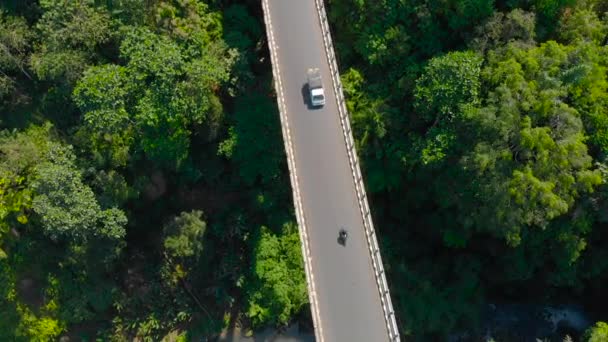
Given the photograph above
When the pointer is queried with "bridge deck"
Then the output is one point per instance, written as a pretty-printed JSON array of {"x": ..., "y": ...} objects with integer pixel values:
[{"x": 347, "y": 295}]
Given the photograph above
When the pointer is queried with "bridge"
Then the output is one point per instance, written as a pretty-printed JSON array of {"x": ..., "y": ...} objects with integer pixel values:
[{"x": 347, "y": 288}]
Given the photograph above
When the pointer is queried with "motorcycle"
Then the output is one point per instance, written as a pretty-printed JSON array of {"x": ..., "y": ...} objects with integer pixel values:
[{"x": 342, "y": 236}]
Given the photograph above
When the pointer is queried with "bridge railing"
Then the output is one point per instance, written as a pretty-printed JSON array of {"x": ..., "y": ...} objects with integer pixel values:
[{"x": 372, "y": 241}]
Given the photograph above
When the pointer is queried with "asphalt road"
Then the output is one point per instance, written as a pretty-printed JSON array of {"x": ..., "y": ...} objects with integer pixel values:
[{"x": 348, "y": 297}]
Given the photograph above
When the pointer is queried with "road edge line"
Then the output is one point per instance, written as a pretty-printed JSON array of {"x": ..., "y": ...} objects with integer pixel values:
[{"x": 312, "y": 294}]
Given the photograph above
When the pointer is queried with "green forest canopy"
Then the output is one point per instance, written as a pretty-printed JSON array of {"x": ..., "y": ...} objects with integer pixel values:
[{"x": 139, "y": 196}]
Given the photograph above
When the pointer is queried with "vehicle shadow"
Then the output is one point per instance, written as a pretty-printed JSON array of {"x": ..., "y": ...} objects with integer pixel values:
[
  {"x": 341, "y": 241},
  {"x": 306, "y": 98}
]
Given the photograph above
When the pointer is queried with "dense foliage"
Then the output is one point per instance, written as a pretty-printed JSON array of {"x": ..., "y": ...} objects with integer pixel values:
[
  {"x": 142, "y": 194},
  {"x": 482, "y": 129},
  {"x": 138, "y": 198}
]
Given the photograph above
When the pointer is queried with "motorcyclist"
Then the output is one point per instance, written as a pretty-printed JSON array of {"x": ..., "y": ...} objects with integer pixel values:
[{"x": 343, "y": 235}]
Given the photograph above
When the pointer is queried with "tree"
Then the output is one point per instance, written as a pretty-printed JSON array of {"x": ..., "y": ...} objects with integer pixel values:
[
  {"x": 463, "y": 14},
  {"x": 535, "y": 143},
  {"x": 583, "y": 24},
  {"x": 80, "y": 240},
  {"x": 437, "y": 299},
  {"x": 501, "y": 29},
  {"x": 154, "y": 102},
  {"x": 20, "y": 151},
  {"x": 188, "y": 21},
  {"x": 161, "y": 93},
  {"x": 129, "y": 12},
  {"x": 548, "y": 12},
  {"x": 518, "y": 168},
  {"x": 241, "y": 28},
  {"x": 597, "y": 333},
  {"x": 15, "y": 45},
  {"x": 89, "y": 238},
  {"x": 70, "y": 32},
  {"x": 448, "y": 82},
  {"x": 278, "y": 286},
  {"x": 183, "y": 235},
  {"x": 183, "y": 244},
  {"x": 131, "y": 85},
  {"x": 102, "y": 87},
  {"x": 20, "y": 322},
  {"x": 66, "y": 208},
  {"x": 382, "y": 157},
  {"x": 256, "y": 127},
  {"x": 15, "y": 200},
  {"x": 112, "y": 189},
  {"x": 448, "y": 86},
  {"x": 102, "y": 94}
]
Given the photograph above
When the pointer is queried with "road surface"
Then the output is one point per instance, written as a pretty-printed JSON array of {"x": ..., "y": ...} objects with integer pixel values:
[{"x": 348, "y": 298}]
